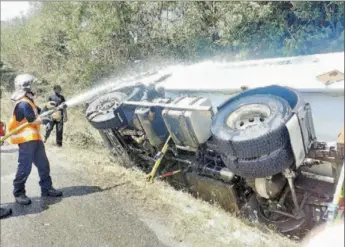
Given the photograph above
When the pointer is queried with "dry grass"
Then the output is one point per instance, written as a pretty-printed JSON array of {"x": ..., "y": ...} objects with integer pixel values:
[{"x": 188, "y": 221}]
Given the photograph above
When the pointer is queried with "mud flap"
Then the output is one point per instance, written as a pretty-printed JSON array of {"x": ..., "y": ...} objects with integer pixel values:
[
  {"x": 212, "y": 190},
  {"x": 296, "y": 140}
]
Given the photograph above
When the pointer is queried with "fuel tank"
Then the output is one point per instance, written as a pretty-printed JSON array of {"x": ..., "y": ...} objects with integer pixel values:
[
  {"x": 152, "y": 122},
  {"x": 188, "y": 128}
]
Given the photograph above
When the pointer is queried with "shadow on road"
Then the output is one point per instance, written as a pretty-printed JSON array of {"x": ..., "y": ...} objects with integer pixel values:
[{"x": 40, "y": 204}]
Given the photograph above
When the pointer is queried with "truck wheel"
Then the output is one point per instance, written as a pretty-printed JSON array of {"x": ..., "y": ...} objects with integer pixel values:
[
  {"x": 117, "y": 151},
  {"x": 266, "y": 165},
  {"x": 251, "y": 126},
  {"x": 100, "y": 112}
]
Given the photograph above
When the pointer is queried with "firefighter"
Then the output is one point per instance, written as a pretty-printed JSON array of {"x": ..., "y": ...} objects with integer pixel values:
[
  {"x": 29, "y": 140},
  {"x": 58, "y": 118}
]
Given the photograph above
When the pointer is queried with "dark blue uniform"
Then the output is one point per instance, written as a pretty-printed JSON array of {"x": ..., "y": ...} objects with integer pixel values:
[
  {"x": 58, "y": 99},
  {"x": 30, "y": 152}
]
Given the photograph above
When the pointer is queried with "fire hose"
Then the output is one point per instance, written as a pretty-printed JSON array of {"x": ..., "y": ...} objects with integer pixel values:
[{"x": 45, "y": 114}]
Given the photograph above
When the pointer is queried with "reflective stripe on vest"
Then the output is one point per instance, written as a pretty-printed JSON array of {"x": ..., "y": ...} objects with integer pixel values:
[{"x": 30, "y": 132}]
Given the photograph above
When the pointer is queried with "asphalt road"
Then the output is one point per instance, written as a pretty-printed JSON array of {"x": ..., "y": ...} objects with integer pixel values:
[{"x": 86, "y": 216}]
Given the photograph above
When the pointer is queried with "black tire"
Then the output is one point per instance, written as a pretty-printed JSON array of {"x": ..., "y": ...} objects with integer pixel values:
[
  {"x": 104, "y": 119},
  {"x": 262, "y": 138},
  {"x": 266, "y": 165},
  {"x": 292, "y": 96},
  {"x": 105, "y": 140},
  {"x": 117, "y": 151}
]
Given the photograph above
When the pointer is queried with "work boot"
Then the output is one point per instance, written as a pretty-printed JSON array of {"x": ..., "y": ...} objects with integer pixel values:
[
  {"x": 23, "y": 200},
  {"x": 4, "y": 212},
  {"x": 51, "y": 192}
]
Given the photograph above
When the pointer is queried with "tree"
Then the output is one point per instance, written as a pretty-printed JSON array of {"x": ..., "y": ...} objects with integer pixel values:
[{"x": 82, "y": 42}]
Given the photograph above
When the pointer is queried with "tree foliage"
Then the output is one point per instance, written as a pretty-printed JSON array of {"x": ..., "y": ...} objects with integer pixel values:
[{"x": 80, "y": 42}]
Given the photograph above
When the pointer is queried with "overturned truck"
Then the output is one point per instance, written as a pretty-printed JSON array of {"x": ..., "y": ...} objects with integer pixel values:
[{"x": 253, "y": 149}]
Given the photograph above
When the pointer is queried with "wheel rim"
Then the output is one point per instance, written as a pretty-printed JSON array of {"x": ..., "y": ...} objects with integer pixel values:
[
  {"x": 248, "y": 116},
  {"x": 106, "y": 105},
  {"x": 282, "y": 223}
]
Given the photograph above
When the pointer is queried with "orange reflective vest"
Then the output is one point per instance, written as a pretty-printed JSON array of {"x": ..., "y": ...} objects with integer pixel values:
[{"x": 30, "y": 132}]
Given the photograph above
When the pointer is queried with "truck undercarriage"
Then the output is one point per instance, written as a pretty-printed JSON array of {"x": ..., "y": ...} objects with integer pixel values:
[{"x": 257, "y": 156}]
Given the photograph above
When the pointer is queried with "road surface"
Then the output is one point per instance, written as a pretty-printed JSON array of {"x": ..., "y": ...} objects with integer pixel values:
[{"x": 86, "y": 216}]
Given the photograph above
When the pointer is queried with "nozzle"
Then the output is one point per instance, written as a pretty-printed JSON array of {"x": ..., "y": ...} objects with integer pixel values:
[{"x": 62, "y": 106}]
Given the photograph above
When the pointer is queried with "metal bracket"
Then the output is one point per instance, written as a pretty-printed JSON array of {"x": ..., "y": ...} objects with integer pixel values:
[
  {"x": 290, "y": 175},
  {"x": 169, "y": 106}
]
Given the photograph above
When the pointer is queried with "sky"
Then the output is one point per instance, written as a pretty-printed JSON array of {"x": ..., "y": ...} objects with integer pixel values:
[{"x": 11, "y": 9}]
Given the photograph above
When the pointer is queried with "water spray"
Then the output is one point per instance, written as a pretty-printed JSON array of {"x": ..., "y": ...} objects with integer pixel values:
[
  {"x": 89, "y": 94},
  {"x": 74, "y": 101}
]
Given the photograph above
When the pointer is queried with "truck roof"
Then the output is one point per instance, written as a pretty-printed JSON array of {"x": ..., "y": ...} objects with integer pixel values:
[{"x": 313, "y": 73}]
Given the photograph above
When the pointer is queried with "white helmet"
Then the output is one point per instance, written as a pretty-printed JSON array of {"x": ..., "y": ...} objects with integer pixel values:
[{"x": 23, "y": 84}]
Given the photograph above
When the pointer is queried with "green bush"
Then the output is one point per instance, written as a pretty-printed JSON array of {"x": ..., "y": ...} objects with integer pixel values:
[{"x": 7, "y": 76}]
